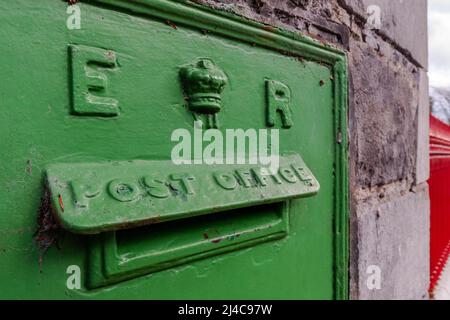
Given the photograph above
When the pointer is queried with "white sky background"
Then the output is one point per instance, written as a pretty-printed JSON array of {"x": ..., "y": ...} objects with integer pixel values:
[{"x": 439, "y": 42}]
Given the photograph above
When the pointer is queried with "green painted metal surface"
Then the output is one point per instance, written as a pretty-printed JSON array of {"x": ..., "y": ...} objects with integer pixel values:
[
  {"x": 99, "y": 197},
  {"x": 114, "y": 91}
]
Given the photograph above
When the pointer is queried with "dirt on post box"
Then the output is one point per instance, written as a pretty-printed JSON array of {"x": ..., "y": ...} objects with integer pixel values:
[{"x": 48, "y": 233}]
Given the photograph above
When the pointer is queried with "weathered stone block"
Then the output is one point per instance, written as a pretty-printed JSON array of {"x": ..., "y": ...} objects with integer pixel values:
[
  {"x": 393, "y": 236},
  {"x": 383, "y": 111},
  {"x": 411, "y": 38}
]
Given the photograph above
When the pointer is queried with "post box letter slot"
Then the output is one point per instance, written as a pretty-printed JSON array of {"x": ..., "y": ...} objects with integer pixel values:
[
  {"x": 146, "y": 216},
  {"x": 90, "y": 198}
]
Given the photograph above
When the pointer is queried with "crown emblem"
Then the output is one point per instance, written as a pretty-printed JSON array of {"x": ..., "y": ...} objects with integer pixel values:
[{"x": 203, "y": 83}]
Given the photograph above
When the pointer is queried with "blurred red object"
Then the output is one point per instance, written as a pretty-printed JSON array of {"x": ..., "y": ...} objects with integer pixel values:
[{"x": 440, "y": 198}]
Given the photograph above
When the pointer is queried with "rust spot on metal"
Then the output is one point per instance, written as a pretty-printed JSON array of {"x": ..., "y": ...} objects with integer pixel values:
[
  {"x": 61, "y": 204},
  {"x": 213, "y": 233},
  {"x": 268, "y": 28},
  {"x": 72, "y": 2},
  {"x": 322, "y": 83},
  {"x": 171, "y": 24}
]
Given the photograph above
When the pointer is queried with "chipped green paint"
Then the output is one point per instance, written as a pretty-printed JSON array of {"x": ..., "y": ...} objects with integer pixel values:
[{"x": 43, "y": 125}]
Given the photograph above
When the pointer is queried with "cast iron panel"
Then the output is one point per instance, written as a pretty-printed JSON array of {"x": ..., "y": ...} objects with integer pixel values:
[{"x": 114, "y": 91}]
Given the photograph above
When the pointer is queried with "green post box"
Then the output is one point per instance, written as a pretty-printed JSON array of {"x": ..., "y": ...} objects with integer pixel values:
[{"x": 122, "y": 174}]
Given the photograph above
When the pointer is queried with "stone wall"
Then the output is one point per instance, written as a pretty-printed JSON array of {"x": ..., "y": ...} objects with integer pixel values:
[{"x": 388, "y": 132}]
